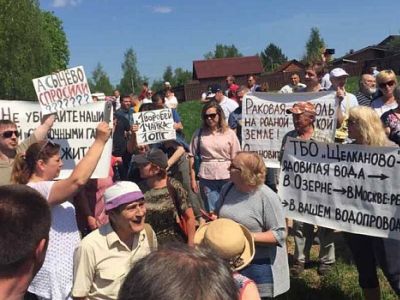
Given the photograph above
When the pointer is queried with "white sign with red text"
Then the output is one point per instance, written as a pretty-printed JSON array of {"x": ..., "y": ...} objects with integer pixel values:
[{"x": 63, "y": 90}]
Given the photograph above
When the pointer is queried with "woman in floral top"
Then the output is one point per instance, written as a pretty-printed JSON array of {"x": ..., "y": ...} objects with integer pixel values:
[{"x": 391, "y": 120}]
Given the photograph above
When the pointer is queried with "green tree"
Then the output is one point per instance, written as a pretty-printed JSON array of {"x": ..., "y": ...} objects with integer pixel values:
[
  {"x": 59, "y": 55},
  {"x": 100, "y": 82},
  {"x": 314, "y": 46},
  {"x": 169, "y": 75},
  {"x": 28, "y": 47},
  {"x": 158, "y": 85},
  {"x": 177, "y": 77},
  {"x": 131, "y": 80},
  {"x": 272, "y": 57},
  {"x": 182, "y": 76},
  {"x": 394, "y": 44},
  {"x": 223, "y": 51}
]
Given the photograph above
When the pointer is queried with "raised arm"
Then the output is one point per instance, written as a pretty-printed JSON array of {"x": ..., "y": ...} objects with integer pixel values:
[
  {"x": 42, "y": 130},
  {"x": 132, "y": 145},
  {"x": 64, "y": 189},
  {"x": 176, "y": 156}
]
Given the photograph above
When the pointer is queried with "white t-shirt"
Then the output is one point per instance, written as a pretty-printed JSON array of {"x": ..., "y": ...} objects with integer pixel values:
[
  {"x": 118, "y": 102},
  {"x": 348, "y": 102},
  {"x": 171, "y": 102},
  {"x": 289, "y": 88},
  {"x": 146, "y": 100},
  {"x": 326, "y": 82},
  {"x": 54, "y": 279},
  {"x": 380, "y": 107},
  {"x": 228, "y": 105}
]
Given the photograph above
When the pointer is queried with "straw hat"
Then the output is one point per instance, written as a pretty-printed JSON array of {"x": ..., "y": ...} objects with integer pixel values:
[{"x": 232, "y": 241}]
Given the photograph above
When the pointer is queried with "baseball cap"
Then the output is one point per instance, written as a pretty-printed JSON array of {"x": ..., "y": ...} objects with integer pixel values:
[
  {"x": 210, "y": 95},
  {"x": 120, "y": 193},
  {"x": 301, "y": 107},
  {"x": 216, "y": 88},
  {"x": 154, "y": 156},
  {"x": 338, "y": 72}
]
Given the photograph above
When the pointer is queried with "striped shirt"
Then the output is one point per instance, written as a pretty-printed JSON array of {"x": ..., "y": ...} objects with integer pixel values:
[{"x": 363, "y": 99}]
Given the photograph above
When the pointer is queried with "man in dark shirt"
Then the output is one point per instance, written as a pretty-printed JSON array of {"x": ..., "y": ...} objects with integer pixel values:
[
  {"x": 126, "y": 110},
  {"x": 120, "y": 139},
  {"x": 235, "y": 117}
]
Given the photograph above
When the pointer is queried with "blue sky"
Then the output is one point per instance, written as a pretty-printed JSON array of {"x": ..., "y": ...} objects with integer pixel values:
[{"x": 176, "y": 32}]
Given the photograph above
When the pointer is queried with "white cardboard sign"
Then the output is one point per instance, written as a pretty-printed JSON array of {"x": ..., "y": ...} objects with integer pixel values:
[
  {"x": 74, "y": 130},
  {"x": 63, "y": 90},
  {"x": 265, "y": 121},
  {"x": 154, "y": 126},
  {"x": 352, "y": 188}
]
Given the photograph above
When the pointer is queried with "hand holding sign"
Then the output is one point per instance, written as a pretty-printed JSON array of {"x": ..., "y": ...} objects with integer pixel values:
[{"x": 154, "y": 126}]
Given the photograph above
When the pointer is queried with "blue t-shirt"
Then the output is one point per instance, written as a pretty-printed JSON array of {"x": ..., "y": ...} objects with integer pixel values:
[{"x": 175, "y": 116}]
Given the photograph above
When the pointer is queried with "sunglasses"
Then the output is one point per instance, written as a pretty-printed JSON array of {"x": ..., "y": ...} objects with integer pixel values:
[
  {"x": 9, "y": 133},
  {"x": 210, "y": 116},
  {"x": 48, "y": 142},
  {"x": 388, "y": 83}
]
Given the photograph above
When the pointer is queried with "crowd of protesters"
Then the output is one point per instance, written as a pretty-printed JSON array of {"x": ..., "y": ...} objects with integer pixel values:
[{"x": 207, "y": 194}]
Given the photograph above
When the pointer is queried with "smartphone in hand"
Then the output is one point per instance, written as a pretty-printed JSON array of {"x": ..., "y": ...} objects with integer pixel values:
[{"x": 107, "y": 111}]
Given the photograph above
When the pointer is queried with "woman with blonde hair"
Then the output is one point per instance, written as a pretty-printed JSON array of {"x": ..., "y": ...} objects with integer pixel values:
[
  {"x": 38, "y": 168},
  {"x": 365, "y": 128},
  {"x": 386, "y": 82},
  {"x": 217, "y": 145},
  {"x": 247, "y": 201},
  {"x": 391, "y": 120}
]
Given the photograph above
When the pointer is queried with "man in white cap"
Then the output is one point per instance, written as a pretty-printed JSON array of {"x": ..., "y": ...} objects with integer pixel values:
[
  {"x": 106, "y": 255},
  {"x": 344, "y": 101}
]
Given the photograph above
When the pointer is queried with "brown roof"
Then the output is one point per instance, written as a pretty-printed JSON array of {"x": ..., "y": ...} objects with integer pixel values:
[
  {"x": 221, "y": 67},
  {"x": 349, "y": 55},
  {"x": 287, "y": 64}
]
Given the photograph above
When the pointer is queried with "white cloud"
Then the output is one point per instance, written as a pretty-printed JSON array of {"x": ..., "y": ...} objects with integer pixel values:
[
  {"x": 161, "y": 9},
  {"x": 65, "y": 3}
]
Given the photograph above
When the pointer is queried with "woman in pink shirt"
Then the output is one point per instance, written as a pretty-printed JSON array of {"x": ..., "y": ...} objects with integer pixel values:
[{"x": 217, "y": 145}]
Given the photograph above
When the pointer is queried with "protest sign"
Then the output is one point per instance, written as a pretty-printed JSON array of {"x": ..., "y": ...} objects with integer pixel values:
[
  {"x": 74, "y": 130},
  {"x": 63, "y": 90},
  {"x": 352, "y": 188},
  {"x": 265, "y": 121},
  {"x": 154, "y": 126}
]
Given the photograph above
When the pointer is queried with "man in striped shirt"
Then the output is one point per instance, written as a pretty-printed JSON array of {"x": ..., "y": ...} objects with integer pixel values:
[{"x": 367, "y": 91}]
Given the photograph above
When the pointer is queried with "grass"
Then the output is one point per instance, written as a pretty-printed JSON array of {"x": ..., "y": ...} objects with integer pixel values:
[
  {"x": 190, "y": 115},
  {"x": 342, "y": 281}
]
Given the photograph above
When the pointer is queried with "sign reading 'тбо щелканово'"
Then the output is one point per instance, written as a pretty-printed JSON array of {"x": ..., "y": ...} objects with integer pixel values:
[{"x": 352, "y": 188}]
